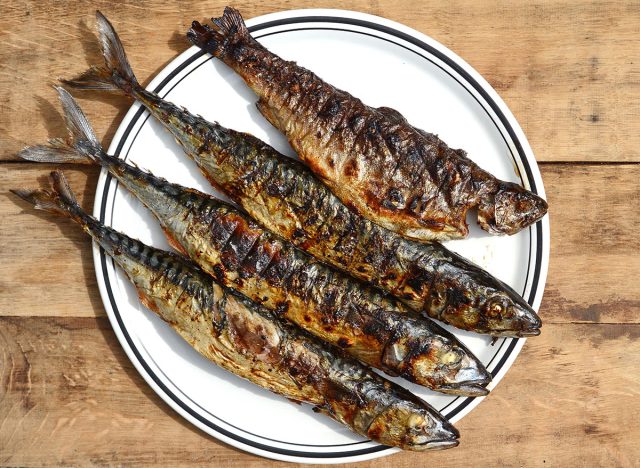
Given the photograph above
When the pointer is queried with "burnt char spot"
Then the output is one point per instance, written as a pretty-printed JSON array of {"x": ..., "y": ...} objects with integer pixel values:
[
  {"x": 417, "y": 278},
  {"x": 343, "y": 342},
  {"x": 218, "y": 272},
  {"x": 376, "y": 329},
  {"x": 221, "y": 230},
  {"x": 418, "y": 204},
  {"x": 331, "y": 108},
  {"x": 276, "y": 188},
  {"x": 282, "y": 308},
  {"x": 394, "y": 200},
  {"x": 356, "y": 122},
  {"x": 351, "y": 168},
  {"x": 456, "y": 297},
  {"x": 278, "y": 269},
  {"x": 393, "y": 141},
  {"x": 298, "y": 234},
  {"x": 373, "y": 129},
  {"x": 330, "y": 298},
  {"x": 259, "y": 258},
  {"x": 412, "y": 157}
]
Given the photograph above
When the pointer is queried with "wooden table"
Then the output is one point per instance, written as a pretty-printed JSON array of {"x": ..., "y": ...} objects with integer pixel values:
[{"x": 569, "y": 71}]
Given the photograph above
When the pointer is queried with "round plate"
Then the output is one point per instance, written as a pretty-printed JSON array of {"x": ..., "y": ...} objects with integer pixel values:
[{"x": 383, "y": 63}]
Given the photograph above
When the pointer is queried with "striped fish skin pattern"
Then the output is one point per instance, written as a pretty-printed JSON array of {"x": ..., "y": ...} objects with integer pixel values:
[
  {"x": 334, "y": 306},
  {"x": 251, "y": 342},
  {"x": 286, "y": 198}
]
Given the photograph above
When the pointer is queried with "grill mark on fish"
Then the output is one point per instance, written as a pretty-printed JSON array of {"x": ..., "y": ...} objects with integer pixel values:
[
  {"x": 324, "y": 134},
  {"x": 247, "y": 340},
  {"x": 294, "y": 284},
  {"x": 311, "y": 210}
]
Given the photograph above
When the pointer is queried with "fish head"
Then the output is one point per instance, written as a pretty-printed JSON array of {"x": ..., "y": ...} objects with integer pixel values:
[
  {"x": 475, "y": 300},
  {"x": 450, "y": 367},
  {"x": 482, "y": 303},
  {"x": 413, "y": 425},
  {"x": 507, "y": 314},
  {"x": 511, "y": 209}
]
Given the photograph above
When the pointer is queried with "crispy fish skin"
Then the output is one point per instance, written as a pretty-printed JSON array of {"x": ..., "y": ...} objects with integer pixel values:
[
  {"x": 400, "y": 177},
  {"x": 242, "y": 255},
  {"x": 284, "y": 196},
  {"x": 251, "y": 342}
]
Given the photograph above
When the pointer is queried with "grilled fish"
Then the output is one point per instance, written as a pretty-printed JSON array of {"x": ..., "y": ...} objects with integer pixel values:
[
  {"x": 240, "y": 254},
  {"x": 400, "y": 177},
  {"x": 249, "y": 341},
  {"x": 284, "y": 196}
]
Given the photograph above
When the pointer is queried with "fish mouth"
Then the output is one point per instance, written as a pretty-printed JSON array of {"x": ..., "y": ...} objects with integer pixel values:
[
  {"x": 523, "y": 321},
  {"x": 441, "y": 444},
  {"x": 471, "y": 389},
  {"x": 471, "y": 379},
  {"x": 531, "y": 332},
  {"x": 526, "y": 324},
  {"x": 441, "y": 437}
]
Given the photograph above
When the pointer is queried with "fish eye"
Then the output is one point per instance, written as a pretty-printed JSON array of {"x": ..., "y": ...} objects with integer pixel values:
[
  {"x": 497, "y": 307},
  {"x": 451, "y": 357}
]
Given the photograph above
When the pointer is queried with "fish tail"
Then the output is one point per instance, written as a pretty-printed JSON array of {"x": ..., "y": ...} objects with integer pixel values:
[
  {"x": 60, "y": 200},
  {"x": 81, "y": 146},
  {"x": 116, "y": 74},
  {"x": 227, "y": 29}
]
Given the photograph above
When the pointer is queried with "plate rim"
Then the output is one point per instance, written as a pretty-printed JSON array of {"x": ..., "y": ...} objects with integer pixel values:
[{"x": 316, "y": 15}]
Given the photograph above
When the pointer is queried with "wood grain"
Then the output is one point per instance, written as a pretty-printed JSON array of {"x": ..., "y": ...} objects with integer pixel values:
[
  {"x": 71, "y": 395},
  {"x": 46, "y": 262},
  {"x": 569, "y": 72},
  {"x": 592, "y": 237},
  {"x": 566, "y": 68}
]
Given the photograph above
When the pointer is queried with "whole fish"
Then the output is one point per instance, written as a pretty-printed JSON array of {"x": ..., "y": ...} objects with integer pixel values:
[
  {"x": 400, "y": 177},
  {"x": 249, "y": 341},
  {"x": 285, "y": 197},
  {"x": 242, "y": 255}
]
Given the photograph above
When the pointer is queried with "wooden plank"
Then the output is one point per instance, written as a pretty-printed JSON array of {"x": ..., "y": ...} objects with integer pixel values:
[
  {"x": 592, "y": 275},
  {"x": 570, "y": 77},
  {"x": 594, "y": 262},
  {"x": 70, "y": 396},
  {"x": 46, "y": 262}
]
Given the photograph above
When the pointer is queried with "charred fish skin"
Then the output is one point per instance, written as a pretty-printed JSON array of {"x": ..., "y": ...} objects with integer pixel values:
[
  {"x": 242, "y": 255},
  {"x": 250, "y": 342},
  {"x": 284, "y": 196},
  {"x": 402, "y": 178}
]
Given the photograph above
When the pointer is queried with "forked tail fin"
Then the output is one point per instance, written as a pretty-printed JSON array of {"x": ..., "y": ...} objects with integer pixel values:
[
  {"x": 227, "y": 29},
  {"x": 60, "y": 200},
  {"x": 116, "y": 74},
  {"x": 81, "y": 146}
]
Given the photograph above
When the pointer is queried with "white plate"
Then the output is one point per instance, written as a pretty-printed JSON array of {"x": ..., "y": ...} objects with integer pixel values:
[{"x": 384, "y": 63}]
